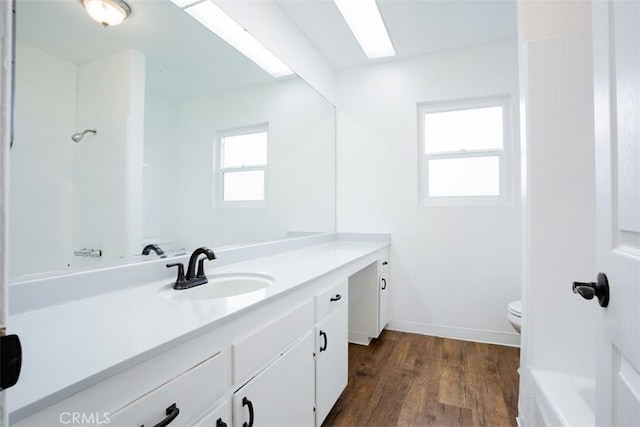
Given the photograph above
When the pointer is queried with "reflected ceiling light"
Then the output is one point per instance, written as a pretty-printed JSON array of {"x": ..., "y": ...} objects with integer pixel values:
[
  {"x": 107, "y": 12},
  {"x": 212, "y": 17},
  {"x": 182, "y": 3},
  {"x": 364, "y": 19}
]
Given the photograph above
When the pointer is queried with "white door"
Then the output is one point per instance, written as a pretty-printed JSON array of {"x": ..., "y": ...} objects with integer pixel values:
[
  {"x": 616, "y": 36},
  {"x": 282, "y": 394}
]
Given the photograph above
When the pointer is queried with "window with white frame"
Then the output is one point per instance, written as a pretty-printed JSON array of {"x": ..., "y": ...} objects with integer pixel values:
[
  {"x": 464, "y": 151},
  {"x": 242, "y": 166}
]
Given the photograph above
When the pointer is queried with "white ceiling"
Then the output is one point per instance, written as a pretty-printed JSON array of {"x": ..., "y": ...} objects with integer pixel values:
[
  {"x": 186, "y": 60},
  {"x": 417, "y": 27}
]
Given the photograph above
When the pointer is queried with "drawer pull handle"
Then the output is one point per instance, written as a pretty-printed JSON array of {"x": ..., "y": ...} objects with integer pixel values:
[
  {"x": 338, "y": 297},
  {"x": 324, "y": 345},
  {"x": 247, "y": 402},
  {"x": 220, "y": 423},
  {"x": 171, "y": 412},
  {"x": 385, "y": 284}
]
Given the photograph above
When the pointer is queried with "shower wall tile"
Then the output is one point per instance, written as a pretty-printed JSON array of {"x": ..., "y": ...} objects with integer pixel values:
[
  {"x": 577, "y": 141},
  {"x": 575, "y": 166},
  {"x": 541, "y": 167},
  {"x": 561, "y": 203},
  {"x": 543, "y": 191},
  {"x": 544, "y": 143},
  {"x": 543, "y": 51},
  {"x": 543, "y": 120},
  {"x": 575, "y": 117}
]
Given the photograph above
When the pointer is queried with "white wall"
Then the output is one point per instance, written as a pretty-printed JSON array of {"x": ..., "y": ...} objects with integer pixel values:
[
  {"x": 107, "y": 167},
  {"x": 64, "y": 195},
  {"x": 560, "y": 195},
  {"x": 455, "y": 268},
  {"x": 162, "y": 154},
  {"x": 300, "y": 172},
  {"x": 41, "y": 162}
]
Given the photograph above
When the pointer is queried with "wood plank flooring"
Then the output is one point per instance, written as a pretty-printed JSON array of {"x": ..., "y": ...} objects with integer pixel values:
[{"x": 406, "y": 379}]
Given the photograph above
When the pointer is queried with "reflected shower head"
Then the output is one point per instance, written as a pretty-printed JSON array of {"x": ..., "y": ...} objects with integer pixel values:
[{"x": 77, "y": 137}]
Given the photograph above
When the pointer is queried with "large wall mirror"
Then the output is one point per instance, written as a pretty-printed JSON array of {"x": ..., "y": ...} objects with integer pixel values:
[{"x": 194, "y": 144}]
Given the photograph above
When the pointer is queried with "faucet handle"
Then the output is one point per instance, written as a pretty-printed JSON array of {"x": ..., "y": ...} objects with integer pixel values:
[{"x": 180, "y": 281}]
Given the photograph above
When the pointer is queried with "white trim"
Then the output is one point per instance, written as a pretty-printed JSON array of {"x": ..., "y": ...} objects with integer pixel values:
[
  {"x": 510, "y": 339},
  {"x": 369, "y": 237},
  {"x": 505, "y": 154},
  {"x": 525, "y": 391},
  {"x": 219, "y": 171},
  {"x": 6, "y": 118}
]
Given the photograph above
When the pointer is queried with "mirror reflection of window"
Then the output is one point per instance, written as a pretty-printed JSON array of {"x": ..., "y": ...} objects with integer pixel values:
[{"x": 243, "y": 164}]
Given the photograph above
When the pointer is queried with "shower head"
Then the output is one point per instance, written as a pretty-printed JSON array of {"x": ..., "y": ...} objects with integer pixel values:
[{"x": 77, "y": 137}]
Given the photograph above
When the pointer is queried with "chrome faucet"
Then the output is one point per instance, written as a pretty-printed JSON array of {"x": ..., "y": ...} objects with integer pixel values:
[{"x": 193, "y": 278}]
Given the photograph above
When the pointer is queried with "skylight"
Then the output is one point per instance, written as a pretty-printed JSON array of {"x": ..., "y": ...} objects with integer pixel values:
[
  {"x": 218, "y": 22},
  {"x": 365, "y": 21}
]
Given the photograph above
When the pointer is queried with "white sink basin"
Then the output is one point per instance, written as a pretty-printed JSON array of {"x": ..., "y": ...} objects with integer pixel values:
[{"x": 222, "y": 286}]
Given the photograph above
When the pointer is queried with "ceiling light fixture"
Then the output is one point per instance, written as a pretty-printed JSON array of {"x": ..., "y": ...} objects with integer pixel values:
[
  {"x": 218, "y": 22},
  {"x": 365, "y": 21},
  {"x": 107, "y": 12}
]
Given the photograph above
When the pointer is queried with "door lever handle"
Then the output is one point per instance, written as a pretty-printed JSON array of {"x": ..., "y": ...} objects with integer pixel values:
[
  {"x": 599, "y": 289},
  {"x": 586, "y": 290}
]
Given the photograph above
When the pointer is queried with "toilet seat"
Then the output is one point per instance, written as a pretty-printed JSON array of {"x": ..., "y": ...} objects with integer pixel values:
[
  {"x": 515, "y": 308},
  {"x": 514, "y": 315}
]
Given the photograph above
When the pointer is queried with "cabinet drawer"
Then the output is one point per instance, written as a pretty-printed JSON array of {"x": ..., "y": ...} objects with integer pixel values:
[
  {"x": 256, "y": 350},
  {"x": 219, "y": 417},
  {"x": 191, "y": 393},
  {"x": 331, "y": 299}
]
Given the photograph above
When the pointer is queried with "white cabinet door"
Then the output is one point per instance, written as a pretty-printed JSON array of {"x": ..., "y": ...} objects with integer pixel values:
[
  {"x": 383, "y": 316},
  {"x": 282, "y": 394},
  {"x": 331, "y": 360}
]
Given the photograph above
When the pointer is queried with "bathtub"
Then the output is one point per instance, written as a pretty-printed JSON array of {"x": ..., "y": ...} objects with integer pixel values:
[{"x": 563, "y": 400}]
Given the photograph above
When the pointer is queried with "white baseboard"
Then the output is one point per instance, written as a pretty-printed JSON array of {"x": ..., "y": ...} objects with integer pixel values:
[{"x": 465, "y": 334}]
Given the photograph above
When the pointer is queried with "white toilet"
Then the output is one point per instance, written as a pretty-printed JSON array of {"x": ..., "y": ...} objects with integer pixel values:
[{"x": 514, "y": 314}]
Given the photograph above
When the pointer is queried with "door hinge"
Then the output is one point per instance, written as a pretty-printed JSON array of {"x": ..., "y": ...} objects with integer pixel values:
[{"x": 10, "y": 360}]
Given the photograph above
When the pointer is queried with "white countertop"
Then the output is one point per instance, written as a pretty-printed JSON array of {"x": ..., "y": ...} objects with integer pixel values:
[{"x": 68, "y": 343}]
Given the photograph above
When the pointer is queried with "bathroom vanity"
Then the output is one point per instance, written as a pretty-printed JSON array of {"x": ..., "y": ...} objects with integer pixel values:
[{"x": 146, "y": 354}]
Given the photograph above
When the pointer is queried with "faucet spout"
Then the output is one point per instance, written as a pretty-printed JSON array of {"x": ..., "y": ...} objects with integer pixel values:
[
  {"x": 155, "y": 248},
  {"x": 191, "y": 271}
]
